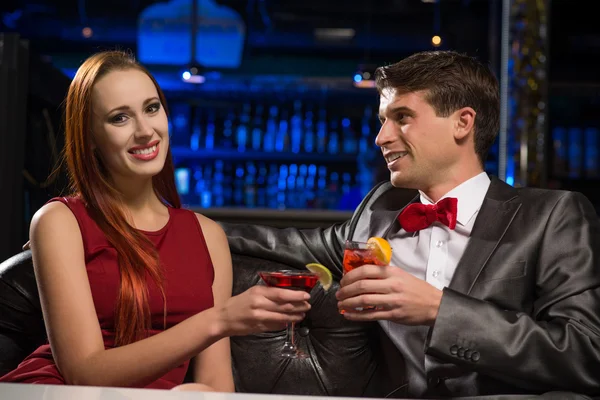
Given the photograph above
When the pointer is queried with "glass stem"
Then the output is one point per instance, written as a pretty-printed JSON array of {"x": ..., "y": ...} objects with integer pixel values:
[{"x": 292, "y": 329}]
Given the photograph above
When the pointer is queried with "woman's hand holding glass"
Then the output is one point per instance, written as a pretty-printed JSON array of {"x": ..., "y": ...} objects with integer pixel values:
[{"x": 262, "y": 309}]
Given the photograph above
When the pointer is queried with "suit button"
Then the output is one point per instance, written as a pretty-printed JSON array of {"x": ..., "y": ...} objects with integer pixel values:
[
  {"x": 475, "y": 356},
  {"x": 454, "y": 350},
  {"x": 468, "y": 354},
  {"x": 461, "y": 352},
  {"x": 433, "y": 381},
  {"x": 304, "y": 331}
]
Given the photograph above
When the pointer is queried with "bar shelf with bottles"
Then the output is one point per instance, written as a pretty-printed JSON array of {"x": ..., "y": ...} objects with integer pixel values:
[
  {"x": 282, "y": 154},
  {"x": 574, "y": 159},
  {"x": 575, "y": 152}
]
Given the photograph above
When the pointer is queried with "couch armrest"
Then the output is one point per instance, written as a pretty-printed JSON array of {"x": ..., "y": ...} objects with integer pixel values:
[{"x": 22, "y": 327}]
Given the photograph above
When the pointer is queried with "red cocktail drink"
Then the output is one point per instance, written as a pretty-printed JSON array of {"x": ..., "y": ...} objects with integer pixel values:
[
  {"x": 290, "y": 280},
  {"x": 355, "y": 256}
]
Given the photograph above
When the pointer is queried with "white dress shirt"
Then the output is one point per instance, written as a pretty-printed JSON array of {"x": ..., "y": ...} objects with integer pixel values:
[{"x": 432, "y": 254}]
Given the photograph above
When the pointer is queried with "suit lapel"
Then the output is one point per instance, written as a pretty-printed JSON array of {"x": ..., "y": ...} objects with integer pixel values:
[
  {"x": 385, "y": 220},
  {"x": 498, "y": 210}
]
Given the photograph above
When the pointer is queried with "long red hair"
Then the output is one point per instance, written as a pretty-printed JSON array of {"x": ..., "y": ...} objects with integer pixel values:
[{"x": 137, "y": 255}]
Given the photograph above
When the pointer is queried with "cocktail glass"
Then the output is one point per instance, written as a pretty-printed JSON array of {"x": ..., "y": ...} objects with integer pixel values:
[
  {"x": 295, "y": 280},
  {"x": 357, "y": 254}
]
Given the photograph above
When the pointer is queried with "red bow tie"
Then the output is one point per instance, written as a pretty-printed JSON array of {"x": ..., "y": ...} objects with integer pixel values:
[{"x": 419, "y": 216}]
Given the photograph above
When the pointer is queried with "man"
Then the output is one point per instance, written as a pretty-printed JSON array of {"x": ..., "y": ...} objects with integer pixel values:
[{"x": 491, "y": 289}]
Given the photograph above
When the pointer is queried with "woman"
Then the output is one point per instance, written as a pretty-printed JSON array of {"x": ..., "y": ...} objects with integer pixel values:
[{"x": 132, "y": 286}]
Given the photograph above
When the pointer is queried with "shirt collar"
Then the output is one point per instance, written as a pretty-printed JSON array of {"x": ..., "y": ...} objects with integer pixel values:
[{"x": 470, "y": 195}]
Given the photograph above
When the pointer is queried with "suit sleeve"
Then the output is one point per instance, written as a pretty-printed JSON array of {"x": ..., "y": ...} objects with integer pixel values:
[
  {"x": 290, "y": 246},
  {"x": 557, "y": 346},
  {"x": 297, "y": 247}
]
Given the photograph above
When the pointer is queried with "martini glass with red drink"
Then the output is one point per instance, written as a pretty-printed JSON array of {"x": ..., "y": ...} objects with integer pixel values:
[{"x": 295, "y": 280}]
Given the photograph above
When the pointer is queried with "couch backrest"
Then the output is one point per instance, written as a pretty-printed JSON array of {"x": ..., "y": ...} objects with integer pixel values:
[{"x": 346, "y": 359}]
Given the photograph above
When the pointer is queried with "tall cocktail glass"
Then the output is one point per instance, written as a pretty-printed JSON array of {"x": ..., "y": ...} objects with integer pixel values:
[{"x": 357, "y": 254}]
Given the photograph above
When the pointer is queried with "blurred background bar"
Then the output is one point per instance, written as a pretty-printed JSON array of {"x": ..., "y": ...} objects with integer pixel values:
[
  {"x": 273, "y": 109},
  {"x": 13, "y": 106}
]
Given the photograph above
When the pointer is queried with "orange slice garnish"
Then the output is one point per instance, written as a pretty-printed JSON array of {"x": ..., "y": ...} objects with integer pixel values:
[{"x": 382, "y": 249}]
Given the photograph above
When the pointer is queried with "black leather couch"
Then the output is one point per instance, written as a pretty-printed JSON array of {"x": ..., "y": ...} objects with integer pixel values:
[{"x": 346, "y": 359}]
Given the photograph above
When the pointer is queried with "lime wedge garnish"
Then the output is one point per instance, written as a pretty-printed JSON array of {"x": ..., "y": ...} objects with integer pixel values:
[{"x": 323, "y": 274}]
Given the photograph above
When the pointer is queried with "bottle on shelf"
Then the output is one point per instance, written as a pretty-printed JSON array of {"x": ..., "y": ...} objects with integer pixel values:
[
  {"x": 559, "y": 153},
  {"x": 592, "y": 139},
  {"x": 575, "y": 152}
]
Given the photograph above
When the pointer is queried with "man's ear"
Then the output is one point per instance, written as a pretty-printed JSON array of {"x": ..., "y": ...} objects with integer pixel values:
[{"x": 464, "y": 123}]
